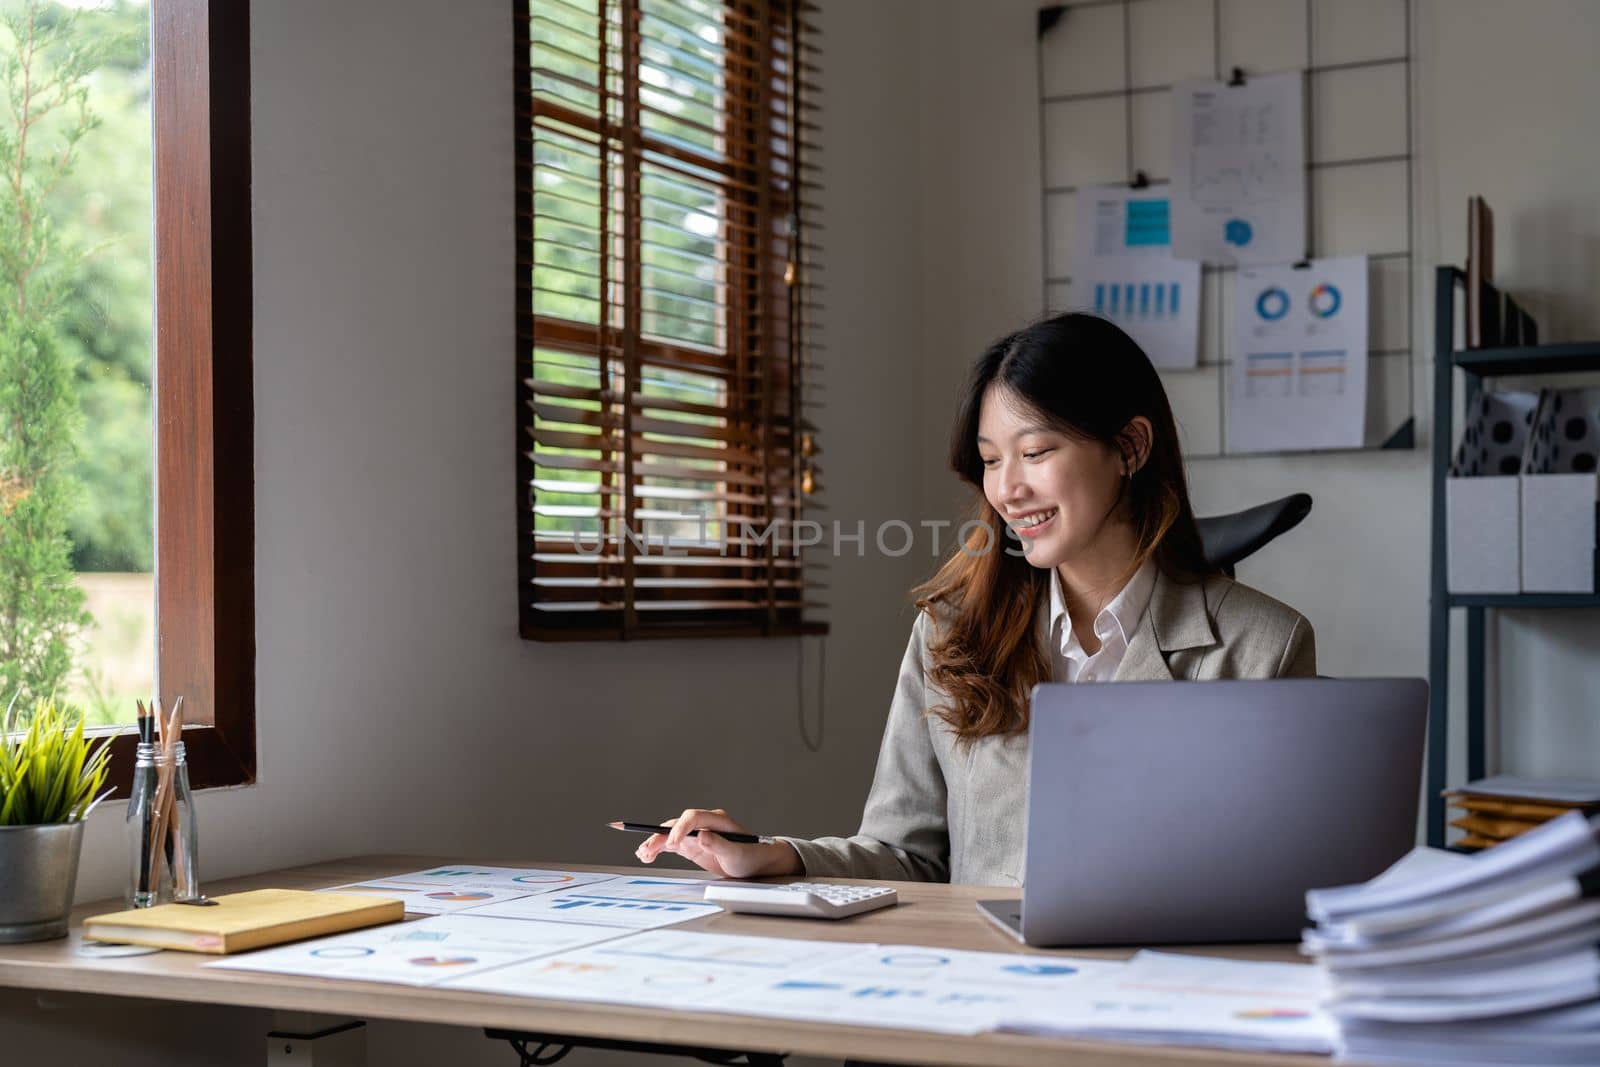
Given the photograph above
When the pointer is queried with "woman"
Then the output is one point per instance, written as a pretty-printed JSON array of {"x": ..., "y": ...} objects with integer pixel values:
[{"x": 1087, "y": 568}]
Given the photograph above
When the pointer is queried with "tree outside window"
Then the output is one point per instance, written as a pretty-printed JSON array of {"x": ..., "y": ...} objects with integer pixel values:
[{"x": 77, "y": 599}]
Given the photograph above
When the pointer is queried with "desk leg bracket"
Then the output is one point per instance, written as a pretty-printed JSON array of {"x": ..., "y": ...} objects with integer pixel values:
[{"x": 540, "y": 1050}]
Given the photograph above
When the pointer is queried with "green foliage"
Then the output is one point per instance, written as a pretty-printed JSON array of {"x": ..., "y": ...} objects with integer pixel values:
[
  {"x": 103, "y": 205},
  {"x": 43, "y": 73},
  {"x": 52, "y": 773}
]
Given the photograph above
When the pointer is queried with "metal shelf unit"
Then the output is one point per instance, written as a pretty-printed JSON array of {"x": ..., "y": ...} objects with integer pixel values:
[{"x": 1477, "y": 364}]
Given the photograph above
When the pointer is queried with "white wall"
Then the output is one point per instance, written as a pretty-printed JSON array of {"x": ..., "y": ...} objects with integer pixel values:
[{"x": 398, "y": 710}]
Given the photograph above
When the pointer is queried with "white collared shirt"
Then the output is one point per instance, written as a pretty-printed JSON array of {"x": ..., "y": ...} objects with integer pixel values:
[{"x": 1114, "y": 626}]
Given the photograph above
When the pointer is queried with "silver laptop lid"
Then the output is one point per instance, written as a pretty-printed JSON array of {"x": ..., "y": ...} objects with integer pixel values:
[{"x": 1172, "y": 812}]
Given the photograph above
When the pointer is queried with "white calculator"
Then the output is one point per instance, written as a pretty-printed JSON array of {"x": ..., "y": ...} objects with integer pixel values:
[{"x": 807, "y": 900}]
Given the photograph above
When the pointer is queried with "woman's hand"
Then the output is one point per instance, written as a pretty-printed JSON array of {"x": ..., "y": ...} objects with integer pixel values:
[{"x": 716, "y": 853}]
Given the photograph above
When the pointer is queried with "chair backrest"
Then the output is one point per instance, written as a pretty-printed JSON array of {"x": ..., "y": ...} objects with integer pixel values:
[{"x": 1227, "y": 539}]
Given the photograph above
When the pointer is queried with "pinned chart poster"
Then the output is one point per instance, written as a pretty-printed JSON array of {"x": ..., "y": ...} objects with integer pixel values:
[
  {"x": 1298, "y": 378},
  {"x": 1123, "y": 270},
  {"x": 1239, "y": 170}
]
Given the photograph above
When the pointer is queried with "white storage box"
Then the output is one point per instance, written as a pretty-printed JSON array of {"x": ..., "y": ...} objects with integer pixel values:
[
  {"x": 1483, "y": 499},
  {"x": 1560, "y": 494}
]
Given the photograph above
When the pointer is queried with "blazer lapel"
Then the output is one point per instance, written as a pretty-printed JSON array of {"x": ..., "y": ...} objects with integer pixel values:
[{"x": 1175, "y": 619}]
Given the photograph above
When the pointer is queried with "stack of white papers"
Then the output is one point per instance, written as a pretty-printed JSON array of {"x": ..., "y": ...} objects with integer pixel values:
[{"x": 1448, "y": 958}]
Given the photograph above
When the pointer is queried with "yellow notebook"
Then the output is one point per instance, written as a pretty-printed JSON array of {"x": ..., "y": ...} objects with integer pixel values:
[{"x": 243, "y": 921}]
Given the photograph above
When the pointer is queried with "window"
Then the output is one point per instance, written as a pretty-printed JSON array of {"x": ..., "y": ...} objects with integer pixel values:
[
  {"x": 664, "y": 258},
  {"x": 205, "y": 550},
  {"x": 101, "y": 94}
]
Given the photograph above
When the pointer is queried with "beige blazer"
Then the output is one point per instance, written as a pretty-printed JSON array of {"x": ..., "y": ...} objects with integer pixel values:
[{"x": 941, "y": 812}]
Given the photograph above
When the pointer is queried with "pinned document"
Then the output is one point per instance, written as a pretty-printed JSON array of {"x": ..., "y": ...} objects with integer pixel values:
[
  {"x": 1298, "y": 379},
  {"x": 1239, "y": 170},
  {"x": 1123, "y": 270}
]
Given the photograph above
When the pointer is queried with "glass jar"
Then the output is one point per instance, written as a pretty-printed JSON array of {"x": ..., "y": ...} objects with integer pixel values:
[{"x": 162, "y": 838}]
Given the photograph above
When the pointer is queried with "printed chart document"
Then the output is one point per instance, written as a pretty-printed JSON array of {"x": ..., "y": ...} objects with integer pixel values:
[
  {"x": 1123, "y": 270},
  {"x": 918, "y": 988},
  {"x": 1298, "y": 376},
  {"x": 1167, "y": 998},
  {"x": 668, "y": 969},
  {"x": 631, "y": 903},
  {"x": 422, "y": 900},
  {"x": 423, "y": 952},
  {"x": 523, "y": 880},
  {"x": 1239, "y": 170},
  {"x": 440, "y": 890}
]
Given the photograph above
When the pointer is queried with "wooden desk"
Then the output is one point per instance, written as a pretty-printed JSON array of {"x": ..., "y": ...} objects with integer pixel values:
[{"x": 934, "y": 915}]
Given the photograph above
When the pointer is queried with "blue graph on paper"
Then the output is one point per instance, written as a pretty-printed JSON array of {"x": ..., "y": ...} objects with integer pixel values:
[
  {"x": 596, "y": 903},
  {"x": 1040, "y": 970},
  {"x": 1129, "y": 301}
]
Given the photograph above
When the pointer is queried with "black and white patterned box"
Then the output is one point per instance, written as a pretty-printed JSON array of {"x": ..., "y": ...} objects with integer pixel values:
[{"x": 1561, "y": 493}]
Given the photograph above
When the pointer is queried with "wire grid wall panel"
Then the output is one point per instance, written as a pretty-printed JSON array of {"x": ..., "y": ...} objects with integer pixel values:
[{"x": 1106, "y": 72}]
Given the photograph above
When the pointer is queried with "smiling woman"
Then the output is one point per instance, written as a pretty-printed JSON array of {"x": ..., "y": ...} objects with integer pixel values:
[{"x": 1083, "y": 564}]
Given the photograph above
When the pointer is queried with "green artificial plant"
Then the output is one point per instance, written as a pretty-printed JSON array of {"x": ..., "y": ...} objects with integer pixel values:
[{"x": 50, "y": 773}]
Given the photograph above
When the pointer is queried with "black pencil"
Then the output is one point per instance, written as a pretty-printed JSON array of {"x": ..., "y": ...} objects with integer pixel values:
[{"x": 731, "y": 835}]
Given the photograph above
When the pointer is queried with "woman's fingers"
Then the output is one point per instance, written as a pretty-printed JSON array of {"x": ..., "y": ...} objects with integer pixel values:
[
  {"x": 702, "y": 853},
  {"x": 651, "y": 847},
  {"x": 699, "y": 819},
  {"x": 708, "y": 850}
]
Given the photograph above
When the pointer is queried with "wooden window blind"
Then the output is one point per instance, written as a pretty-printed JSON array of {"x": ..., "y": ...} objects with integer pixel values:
[{"x": 665, "y": 253}]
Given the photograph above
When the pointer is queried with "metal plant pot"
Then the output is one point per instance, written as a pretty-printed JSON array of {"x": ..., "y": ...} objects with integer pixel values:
[{"x": 38, "y": 871}]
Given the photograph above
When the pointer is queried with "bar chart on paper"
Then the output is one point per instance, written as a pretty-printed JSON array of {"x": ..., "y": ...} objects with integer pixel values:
[
  {"x": 1123, "y": 270},
  {"x": 577, "y": 908},
  {"x": 1137, "y": 300}
]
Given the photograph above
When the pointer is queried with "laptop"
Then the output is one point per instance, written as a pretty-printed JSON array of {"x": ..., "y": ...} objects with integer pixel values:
[{"x": 1181, "y": 812}]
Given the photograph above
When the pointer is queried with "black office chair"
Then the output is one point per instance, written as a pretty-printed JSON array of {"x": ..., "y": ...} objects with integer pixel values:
[{"x": 1227, "y": 539}]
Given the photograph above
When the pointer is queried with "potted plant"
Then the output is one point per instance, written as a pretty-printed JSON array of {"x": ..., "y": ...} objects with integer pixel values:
[{"x": 50, "y": 779}]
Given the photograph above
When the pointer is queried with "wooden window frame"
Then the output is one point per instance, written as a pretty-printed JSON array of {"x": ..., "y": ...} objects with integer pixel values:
[
  {"x": 205, "y": 466},
  {"x": 768, "y": 316}
]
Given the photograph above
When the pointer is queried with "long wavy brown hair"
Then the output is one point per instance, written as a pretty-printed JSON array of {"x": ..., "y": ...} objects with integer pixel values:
[{"x": 1087, "y": 379}]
